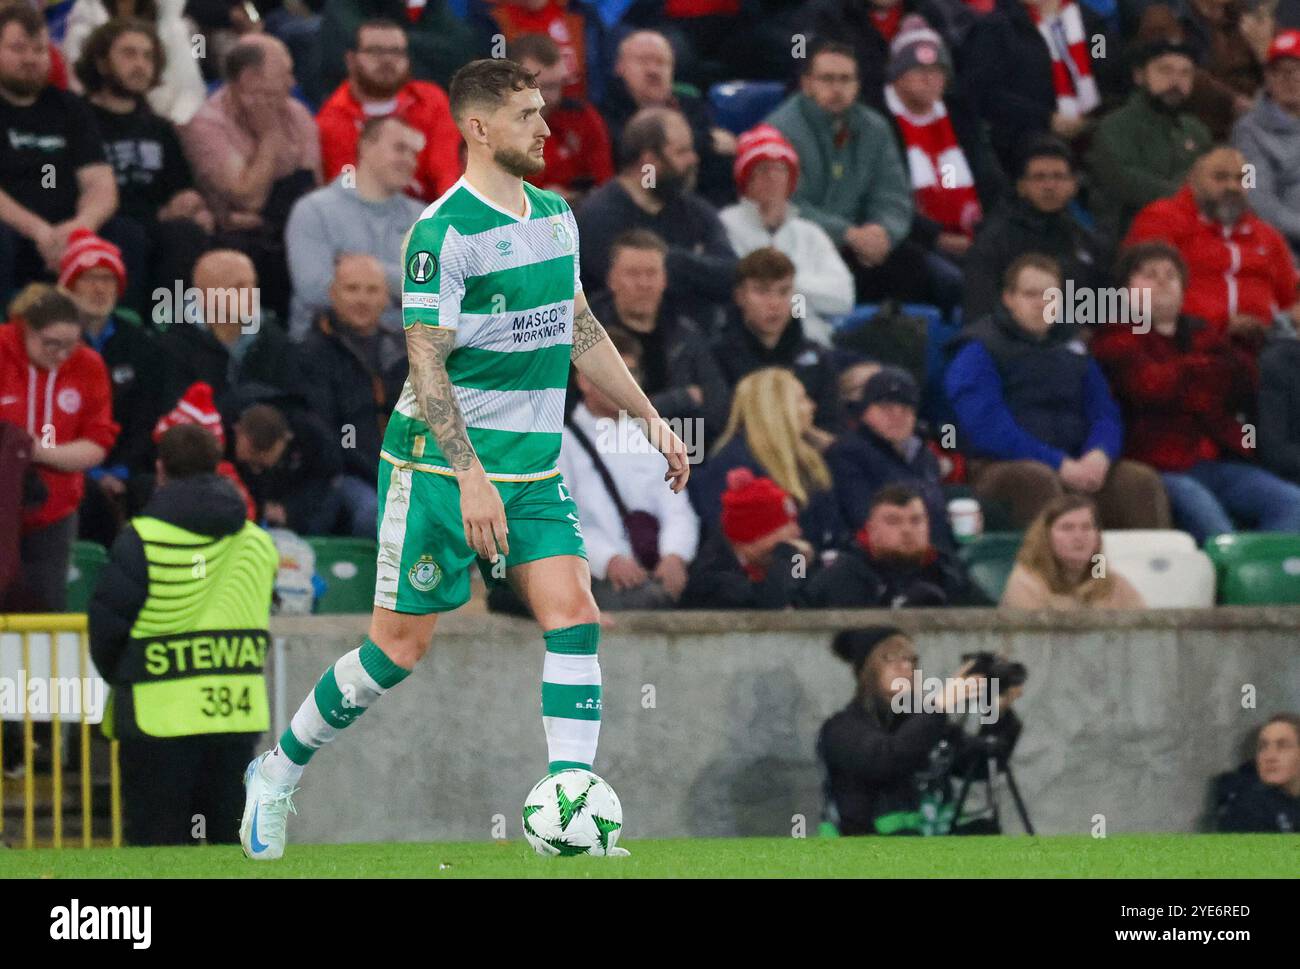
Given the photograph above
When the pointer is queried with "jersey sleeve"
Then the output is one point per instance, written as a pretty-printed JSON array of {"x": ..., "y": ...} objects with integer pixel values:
[
  {"x": 577, "y": 250},
  {"x": 433, "y": 275}
]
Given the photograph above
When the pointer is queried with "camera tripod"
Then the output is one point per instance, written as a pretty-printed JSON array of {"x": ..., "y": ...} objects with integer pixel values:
[{"x": 994, "y": 765}]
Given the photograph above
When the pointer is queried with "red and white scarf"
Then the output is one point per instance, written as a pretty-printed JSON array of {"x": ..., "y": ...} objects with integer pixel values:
[
  {"x": 941, "y": 177},
  {"x": 1076, "y": 91}
]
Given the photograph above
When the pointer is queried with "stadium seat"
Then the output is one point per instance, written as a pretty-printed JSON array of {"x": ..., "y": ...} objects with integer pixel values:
[
  {"x": 989, "y": 559},
  {"x": 1236, "y": 546},
  {"x": 1272, "y": 580},
  {"x": 1167, "y": 578},
  {"x": 348, "y": 567},
  {"x": 88, "y": 559},
  {"x": 739, "y": 105},
  {"x": 1139, "y": 541}
]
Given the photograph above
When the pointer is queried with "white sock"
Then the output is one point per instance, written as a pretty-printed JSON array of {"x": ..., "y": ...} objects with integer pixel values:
[{"x": 280, "y": 770}]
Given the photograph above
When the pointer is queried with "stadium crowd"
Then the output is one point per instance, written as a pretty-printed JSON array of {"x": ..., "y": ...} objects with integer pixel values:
[{"x": 860, "y": 250}]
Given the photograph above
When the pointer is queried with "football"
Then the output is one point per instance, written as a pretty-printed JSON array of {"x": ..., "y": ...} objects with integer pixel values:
[{"x": 572, "y": 812}]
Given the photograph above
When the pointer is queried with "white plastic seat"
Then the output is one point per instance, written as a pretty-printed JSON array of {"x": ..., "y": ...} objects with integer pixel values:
[
  {"x": 1167, "y": 578},
  {"x": 1141, "y": 541}
]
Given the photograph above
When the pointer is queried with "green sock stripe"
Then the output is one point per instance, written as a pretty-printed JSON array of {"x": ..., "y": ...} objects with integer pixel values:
[
  {"x": 330, "y": 702},
  {"x": 581, "y": 702},
  {"x": 579, "y": 640},
  {"x": 558, "y": 765},
  {"x": 295, "y": 749},
  {"x": 380, "y": 668}
]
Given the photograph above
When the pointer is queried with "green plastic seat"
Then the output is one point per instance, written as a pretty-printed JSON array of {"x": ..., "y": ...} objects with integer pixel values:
[
  {"x": 1239, "y": 546},
  {"x": 992, "y": 545},
  {"x": 348, "y": 567},
  {"x": 1264, "y": 580},
  {"x": 86, "y": 562},
  {"x": 990, "y": 575}
]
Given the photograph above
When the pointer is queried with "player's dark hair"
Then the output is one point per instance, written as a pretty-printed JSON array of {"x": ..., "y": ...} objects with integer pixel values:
[
  {"x": 826, "y": 46},
  {"x": 534, "y": 47},
  {"x": 188, "y": 449},
  {"x": 100, "y": 43},
  {"x": 1135, "y": 258},
  {"x": 1029, "y": 260},
  {"x": 487, "y": 81},
  {"x": 766, "y": 265},
  {"x": 895, "y": 495},
  {"x": 375, "y": 23},
  {"x": 264, "y": 425}
]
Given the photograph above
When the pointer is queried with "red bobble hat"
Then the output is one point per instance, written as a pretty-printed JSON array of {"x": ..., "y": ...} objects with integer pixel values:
[
  {"x": 88, "y": 251},
  {"x": 754, "y": 507},
  {"x": 195, "y": 407},
  {"x": 1285, "y": 44},
  {"x": 759, "y": 143}
]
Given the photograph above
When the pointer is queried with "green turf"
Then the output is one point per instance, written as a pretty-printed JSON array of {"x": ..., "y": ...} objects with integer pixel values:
[{"x": 1068, "y": 856}]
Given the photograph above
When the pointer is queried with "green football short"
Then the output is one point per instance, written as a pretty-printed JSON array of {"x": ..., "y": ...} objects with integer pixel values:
[{"x": 424, "y": 560}]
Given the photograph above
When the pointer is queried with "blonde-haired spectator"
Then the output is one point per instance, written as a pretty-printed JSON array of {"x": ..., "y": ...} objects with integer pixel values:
[
  {"x": 771, "y": 432},
  {"x": 1059, "y": 565}
]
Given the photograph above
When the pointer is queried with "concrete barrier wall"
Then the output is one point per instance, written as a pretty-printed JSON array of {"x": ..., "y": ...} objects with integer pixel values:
[{"x": 710, "y": 718}]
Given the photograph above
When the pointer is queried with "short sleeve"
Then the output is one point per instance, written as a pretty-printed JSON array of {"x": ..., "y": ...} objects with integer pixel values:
[
  {"x": 577, "y": 252},
  {"x": 85, "y": 146},
  {"x": 433, "y": 275}
]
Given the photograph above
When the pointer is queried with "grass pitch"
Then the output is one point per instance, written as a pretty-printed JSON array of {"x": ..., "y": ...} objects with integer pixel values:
[{"x": 1061, "y": 856}]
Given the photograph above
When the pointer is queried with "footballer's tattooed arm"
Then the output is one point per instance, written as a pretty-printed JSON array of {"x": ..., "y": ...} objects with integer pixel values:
[
  {"x": 428, "y": 348},
  {"x": 587, "y": 331}
]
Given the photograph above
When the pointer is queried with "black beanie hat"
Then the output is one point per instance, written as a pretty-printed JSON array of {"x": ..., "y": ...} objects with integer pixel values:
[{"x": 854, "y": 646}]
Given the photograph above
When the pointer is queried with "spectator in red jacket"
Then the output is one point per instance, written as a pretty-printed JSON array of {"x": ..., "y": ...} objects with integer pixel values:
[
  {"x": 379, "y": 82},
  {"x": 57, "y": 388},
  {"x": 577, "y": 154},
  {"x": 1240, "y": 271},
  {"x": 1182, "y": 386}
]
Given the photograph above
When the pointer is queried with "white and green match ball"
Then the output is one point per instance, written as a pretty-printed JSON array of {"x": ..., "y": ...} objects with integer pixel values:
[{"x": 572, "y": 812}]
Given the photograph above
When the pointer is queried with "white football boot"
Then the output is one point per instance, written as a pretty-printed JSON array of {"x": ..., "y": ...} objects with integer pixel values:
[{"x": 266, "y": 809}]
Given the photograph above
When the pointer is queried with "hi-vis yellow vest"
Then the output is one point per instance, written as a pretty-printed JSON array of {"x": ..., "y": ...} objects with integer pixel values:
[{"x": 197, "y": 649}]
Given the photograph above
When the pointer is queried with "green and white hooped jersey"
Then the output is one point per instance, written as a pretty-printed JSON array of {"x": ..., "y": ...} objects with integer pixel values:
[{"x": 506, "y": 285}]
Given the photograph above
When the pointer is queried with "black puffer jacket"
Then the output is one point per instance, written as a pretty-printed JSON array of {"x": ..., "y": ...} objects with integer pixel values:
[
  {"x": 1243, "y": 803},
  {"x": 1014, "y": 228},
  {"x": 857, "y": 580},
  {"x": 718, "y": 581},
  {"x": 206, "y": 504},
  {"x": 871, "y": 756}
]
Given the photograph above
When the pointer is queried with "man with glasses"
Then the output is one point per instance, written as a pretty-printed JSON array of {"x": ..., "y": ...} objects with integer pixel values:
[
  {"x": 378, "y": 84},
  {"x": 1035, "y": 415},
  {"x": 852, "y": 181},
  {"x": 1037, "y": 219}
]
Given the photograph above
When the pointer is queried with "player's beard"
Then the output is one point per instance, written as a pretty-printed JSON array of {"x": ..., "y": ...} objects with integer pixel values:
[{"x": 518, "y": 163}]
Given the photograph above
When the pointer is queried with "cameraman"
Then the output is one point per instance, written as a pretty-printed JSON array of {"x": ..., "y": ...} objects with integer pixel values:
[{"x": 873, "y": 754}]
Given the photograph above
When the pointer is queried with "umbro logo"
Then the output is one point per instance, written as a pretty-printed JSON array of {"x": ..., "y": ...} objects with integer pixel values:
[{"x": 503, "y": 247}]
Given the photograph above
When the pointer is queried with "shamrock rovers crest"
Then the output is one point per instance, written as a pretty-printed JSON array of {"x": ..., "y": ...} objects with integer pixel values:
[
  {"x": 422, "y": 266},
  {"x": 425, "y": 574}
]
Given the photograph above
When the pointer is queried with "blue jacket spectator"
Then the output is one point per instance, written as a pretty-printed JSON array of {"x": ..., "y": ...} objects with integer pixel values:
[
  {"x": 1034, "y": 412},
  {"x": 884, "y": 449}
]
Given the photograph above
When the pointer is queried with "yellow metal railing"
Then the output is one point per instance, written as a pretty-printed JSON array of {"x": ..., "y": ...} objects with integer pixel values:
[{"x": 52, "y": 625}]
